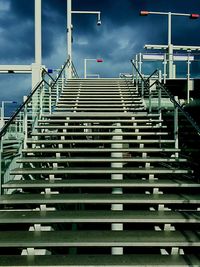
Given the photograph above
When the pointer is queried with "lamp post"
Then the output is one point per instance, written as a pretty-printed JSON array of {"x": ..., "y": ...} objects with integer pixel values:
[
  {"x": 69, "y": 31},
  {"x": 170, "y": 45},
  {"x": 98, "y": 60}
]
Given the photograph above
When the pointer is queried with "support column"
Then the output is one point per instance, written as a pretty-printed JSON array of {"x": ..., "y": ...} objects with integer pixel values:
[
  {"x": 69, "y": 38},
  {"x": 117, "y": 207},
  {"x": 36, "y": 67},
  {"x": 38, "y": 32}
]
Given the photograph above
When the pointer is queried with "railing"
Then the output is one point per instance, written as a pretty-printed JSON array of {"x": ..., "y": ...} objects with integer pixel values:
[
  {"x": 179, "y": 120},
  {"x": 15, "y": 133}
]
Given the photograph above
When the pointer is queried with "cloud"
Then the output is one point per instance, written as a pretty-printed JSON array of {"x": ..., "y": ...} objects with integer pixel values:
[{"x": 4, "y": 5}]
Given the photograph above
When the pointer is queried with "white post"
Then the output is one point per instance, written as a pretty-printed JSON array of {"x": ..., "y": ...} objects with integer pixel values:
[
  {"x": 140, "y": 63},
  {"x": 36, "y": 67},
  {"x": 170, "y": 46},
  {"x": 69, "y": 38},
  {"x": 85, "y": 68},
  {"x": 2, "y": 114},
  {"x": 188, "y": 79},
  {"x": 165, "y": 68},
  {"x": 38, "y": 32}
]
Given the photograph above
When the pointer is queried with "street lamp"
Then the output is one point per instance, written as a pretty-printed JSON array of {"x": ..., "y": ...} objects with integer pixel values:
[
  {"x": 69, "y": 31},
  {"x": 98, "y": 60},
  {"x": 170, "y": 46}
]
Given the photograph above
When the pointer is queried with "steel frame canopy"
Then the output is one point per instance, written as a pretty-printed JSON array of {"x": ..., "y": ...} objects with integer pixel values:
[{"x": 170, "y": 46}]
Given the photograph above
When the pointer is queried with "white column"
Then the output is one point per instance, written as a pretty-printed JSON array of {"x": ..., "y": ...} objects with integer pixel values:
[
  {"x": 85, "y": 68},
  {"x": 38, "y": 32},
  {"x": 69, "y": 38},
  {"x": 170, "y": 46},
  {"x": 36, "y": 67}
]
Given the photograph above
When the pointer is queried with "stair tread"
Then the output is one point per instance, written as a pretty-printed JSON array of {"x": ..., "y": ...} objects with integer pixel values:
[
  {"x": 98, "y": 159},
  {"x": 102, "y": 216},
  {"x": 90, "y": 170},
  {"x": 100, "y": 127},
  {"x": 99, "y": 133},
  {"x": 99, "y": 114},
  {"x": 99, "y": 121},
  {"x": 100, "y": 199},
  {"x": 89, "y": 141},
  {"x": 136, "y": 183},
  {"x": 134, "y": 260},
  {"x": 78, "y": 149},
  {"x": 100, "y": 238}
]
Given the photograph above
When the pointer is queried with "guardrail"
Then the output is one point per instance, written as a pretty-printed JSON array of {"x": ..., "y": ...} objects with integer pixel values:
[{"x": 14, "y": 134}]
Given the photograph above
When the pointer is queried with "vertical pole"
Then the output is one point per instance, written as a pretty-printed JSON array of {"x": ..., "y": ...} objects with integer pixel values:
[
  {"x": 36, "y": 67},
  {"x": 1, "y": 157},
  {"x": 165, "y": 68},
  {"x": 136, "y": 73},
  {"x": 176, "y": 125},
  {"x": 69, "y": 37},
  {"x": 85, "y": 68},
  {"x": 38, "y": 32},
  {"x": 2, "y": 113},
  {"x": 140, "y": 63},
  {"x": 170, "y": 46},
  {"x": 188, "y": 79}
]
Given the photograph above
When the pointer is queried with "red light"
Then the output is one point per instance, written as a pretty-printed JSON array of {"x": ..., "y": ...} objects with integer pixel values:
[
  {"x": 194, "y": 16},
  {"x": 144, "y": 13},
  {"x": 99, "y": 60}
]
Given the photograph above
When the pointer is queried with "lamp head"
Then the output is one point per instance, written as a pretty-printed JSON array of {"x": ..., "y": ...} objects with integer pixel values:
[{"x": 98, "y": 22}]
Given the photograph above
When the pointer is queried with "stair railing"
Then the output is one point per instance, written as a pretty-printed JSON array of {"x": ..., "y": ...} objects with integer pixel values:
[
  {"x": 15, "y": 133},
  {"x": 158, "y": 106}
]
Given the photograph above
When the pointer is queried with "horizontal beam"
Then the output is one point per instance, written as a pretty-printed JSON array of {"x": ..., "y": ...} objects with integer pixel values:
[
  {"x": 175, "y": 47},
  {"x": 156, "y": 57},
  {"x": 20, "y": 69}
]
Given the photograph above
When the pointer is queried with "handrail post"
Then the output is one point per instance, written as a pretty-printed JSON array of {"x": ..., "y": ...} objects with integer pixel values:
[
  {"x": 133, "y": 72},
  {"x": 50, "y": 98},
  {"x": 1, "y": 176},
  {"x": 25, "y": 123},
  {"x": 176, "y": 125},
  {"x": 188, "y": 79},
  {"x": 57, "y": 90},
  {"x": 142, "y": 91},
  {"x": 165, "y": 68},
  {"x": 136, "y": 64},
  {"x": 150, "y": 102},
  {"x": 159, "y": 101}
]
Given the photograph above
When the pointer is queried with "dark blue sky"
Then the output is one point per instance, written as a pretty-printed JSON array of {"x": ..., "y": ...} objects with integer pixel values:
[{"x": 123, "y": 34}]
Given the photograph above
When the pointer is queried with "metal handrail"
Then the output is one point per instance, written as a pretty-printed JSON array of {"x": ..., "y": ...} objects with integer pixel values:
[
  {"x": 19, "y": 109},
  {"x": 154, "y": 72},
  {"x": 138, "y": 71},
  {"x": 186, "y": 114},
  {"x": 74, "y": 70},
  {"x": 171, "y": 97}
]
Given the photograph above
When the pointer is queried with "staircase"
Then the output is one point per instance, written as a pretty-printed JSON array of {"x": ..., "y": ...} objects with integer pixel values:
[{"x": 100, "y": 183}]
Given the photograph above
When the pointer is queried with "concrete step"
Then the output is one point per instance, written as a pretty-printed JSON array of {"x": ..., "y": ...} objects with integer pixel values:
[
  {"x": 122, "y": 121},
  {"x": 91, "y": 260},
  {"x": 98, "y": 159},
  {"x": 100, "y": 216},
  {"x": 103, "y": 183},
  {"x": 101, "y": 141},
  {"x": 137, "y": 199},
  {"x": 157, "y": 239},
  {"x": 100, "y": 127},
  {"x": 97, "y": 170},
  {"x": 97, "y": 150}
]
